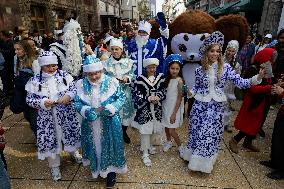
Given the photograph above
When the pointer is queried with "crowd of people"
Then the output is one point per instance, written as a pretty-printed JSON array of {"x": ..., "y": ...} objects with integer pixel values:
[{"x": 80, "y": 92}]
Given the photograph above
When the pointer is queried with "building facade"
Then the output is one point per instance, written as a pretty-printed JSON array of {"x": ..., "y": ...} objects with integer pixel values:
[
  {"x": 129, "y": 11},
  {"x": 271, "y": 17},
  {"x": 173, "y": 8},
  {"x": 49, "y": 15}
]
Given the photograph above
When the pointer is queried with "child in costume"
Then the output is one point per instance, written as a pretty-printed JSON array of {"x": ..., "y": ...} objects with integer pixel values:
[
  {"x": 173, "y": 105},
  {"x": 99, "y": 100},
  {"x": 122, "y": 69},
  {"x": 256, "y": 102},
  {"x": 148, "y": 92},
  {"x": 206, "y": 124},
  {"x": 230, "y": 58},
  {"x": 51, "y": 92}
]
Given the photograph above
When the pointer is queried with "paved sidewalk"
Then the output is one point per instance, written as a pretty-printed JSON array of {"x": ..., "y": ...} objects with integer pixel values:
[{"x": 168, "y": 171}]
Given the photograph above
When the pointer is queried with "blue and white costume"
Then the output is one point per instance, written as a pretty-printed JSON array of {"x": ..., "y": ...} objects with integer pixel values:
[
  {"x": 206, "y": 125},
  {"x": 99, "y": 104},
  {"x": 58, "y": 124},
  {"x": 143, "y": 47},
  {"x": 119, "y": 69},
  {"x": 148, "y": 114}
]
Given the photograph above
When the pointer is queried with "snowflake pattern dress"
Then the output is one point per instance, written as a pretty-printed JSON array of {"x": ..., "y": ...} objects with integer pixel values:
[
  {"x": 206, "y": 117},
  {"x": 58, "y": 124}
]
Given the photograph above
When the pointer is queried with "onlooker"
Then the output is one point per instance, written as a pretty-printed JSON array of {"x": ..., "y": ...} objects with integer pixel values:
[
  {"x": 37, "y": 38},
  {"x": 267, "y": 39},
  {"x": 47, "y": 41},
  {"x": 246, "y": 53}
]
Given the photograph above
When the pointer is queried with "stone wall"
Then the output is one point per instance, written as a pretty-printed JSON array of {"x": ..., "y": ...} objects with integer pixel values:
[
  {"x": 270, "y": 16},
  {"x": 16, "y": 13}
]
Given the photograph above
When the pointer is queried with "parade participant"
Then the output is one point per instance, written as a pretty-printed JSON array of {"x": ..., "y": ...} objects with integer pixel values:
[
  {"x": 99, "y": 99},
  {"x": 70, "y": 53},
  {"x": 25, "y": 67},
  {"x": 144, "y": 47},
  {"x": 122, "y": 69},
  {"x": 107, "y": 54},
  {"x": 51, "y": 92},
  {"x": 277, "y": 144},
  {"x": 148, "y": 92},
  {"x": 173, "y": 105},
  {"x": 230, "y": 58},
  {"x": 256, "y": 102},
  {"x": 206, "y": 116}
]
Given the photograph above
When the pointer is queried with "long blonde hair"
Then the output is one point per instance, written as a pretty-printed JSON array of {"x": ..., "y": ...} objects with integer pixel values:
[
  {"x": 29, "y": 55},
  {"x": 205, "y": 61}
]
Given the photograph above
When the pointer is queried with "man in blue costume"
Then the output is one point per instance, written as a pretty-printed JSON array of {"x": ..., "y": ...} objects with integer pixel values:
[{"x": 143, "y": 47}]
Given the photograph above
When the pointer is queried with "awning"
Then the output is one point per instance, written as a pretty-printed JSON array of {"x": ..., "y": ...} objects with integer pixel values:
[
  {"x": 222, "y": 10},
  {"x": 247, "y": 5}
]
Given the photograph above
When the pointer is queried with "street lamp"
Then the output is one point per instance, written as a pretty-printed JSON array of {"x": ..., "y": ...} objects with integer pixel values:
[{"x": 132, "y": 12}]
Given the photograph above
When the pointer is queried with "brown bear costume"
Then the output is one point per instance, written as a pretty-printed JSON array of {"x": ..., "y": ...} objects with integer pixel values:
[{"x": 189, "y": 29}]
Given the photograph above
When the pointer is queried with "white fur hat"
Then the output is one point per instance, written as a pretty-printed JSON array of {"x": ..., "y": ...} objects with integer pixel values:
[
  {"x": 107, "y": 38},
  {"x": 47, "y": 58},
  {"x": 145, "y": 26},
  {"x": 150, "y": 61},
  {"x": 92, "y": 64},
  {"x": 116, "y": 42}
]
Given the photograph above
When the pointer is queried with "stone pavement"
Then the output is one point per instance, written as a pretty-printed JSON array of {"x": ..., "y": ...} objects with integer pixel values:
[{"x": 240, "y": 171}]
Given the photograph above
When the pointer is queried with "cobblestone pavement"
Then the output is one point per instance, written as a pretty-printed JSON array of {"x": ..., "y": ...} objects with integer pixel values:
[{"x": 168, "y": 170}]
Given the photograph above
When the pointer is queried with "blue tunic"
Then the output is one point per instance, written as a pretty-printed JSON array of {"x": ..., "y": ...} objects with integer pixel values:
[
  {"x": 99, "y": 105},
  {"x": 154, "y": 48}
]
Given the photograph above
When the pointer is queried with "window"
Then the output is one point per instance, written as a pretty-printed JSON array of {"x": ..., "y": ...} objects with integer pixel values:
[
  {"x": 37, "y": 18},
  {"x": 59, "y": 18}
]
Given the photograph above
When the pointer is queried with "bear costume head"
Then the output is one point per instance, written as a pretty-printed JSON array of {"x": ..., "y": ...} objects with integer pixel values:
[{"x": 189, "y": 29}]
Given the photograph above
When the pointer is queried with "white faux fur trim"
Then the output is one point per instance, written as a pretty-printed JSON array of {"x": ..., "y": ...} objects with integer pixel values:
[
  {"x": 165, "y": 32},
  {"x": 42, "y": 104},
  {"x": 93, "y": 67},
  {"x": 83, "y": 111},
  {"x": 199, "y": 163},
  {"x": 151, "y": 127},
  {"x": 110, "y": 169},
  {"x": 254, "y": 80},
  {"x": 111, "y": 108}
]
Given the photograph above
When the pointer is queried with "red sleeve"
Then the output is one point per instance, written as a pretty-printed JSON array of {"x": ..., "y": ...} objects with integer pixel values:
[
  {"x": 1, "y": 131},
  {"x": 260, "y": 89},
  {"x": 282, "y": 95}
]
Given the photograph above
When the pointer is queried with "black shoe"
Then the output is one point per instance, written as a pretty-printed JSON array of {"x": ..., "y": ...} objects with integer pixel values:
[
  {"x": 276, "y": 175},
  {"x": 267, "y": 164},
  {"x": 261, "y": 133},
  {"x": 111, "y": 180},
  {"x": 125, "y": 135}
]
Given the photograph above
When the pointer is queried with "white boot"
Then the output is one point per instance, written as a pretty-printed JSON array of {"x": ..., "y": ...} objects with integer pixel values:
[
  {"x": 181, "y": 149},
  {"x": 146, "y": 160},
  {"x": 55, "y": 173},
  {"x": 167, "y": 145},
  {"x": 77, "y": 156}
]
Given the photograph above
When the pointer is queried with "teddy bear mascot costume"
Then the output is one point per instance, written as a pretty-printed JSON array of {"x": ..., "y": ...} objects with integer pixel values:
[
  {"x": 145, "y": 47},
  {"x": 188, "y": 31},
  {"x": 70, "y": 53}
]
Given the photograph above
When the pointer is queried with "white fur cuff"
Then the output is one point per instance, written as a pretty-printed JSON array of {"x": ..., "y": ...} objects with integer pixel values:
[
  {"x": 42, "y": 104},
  {"x": 254, "y": 80},
  {"x": 165, "y": 32},
  {"x": 83, "y": 111},
  {"x": 111, "y": 108}
]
